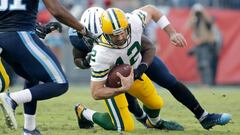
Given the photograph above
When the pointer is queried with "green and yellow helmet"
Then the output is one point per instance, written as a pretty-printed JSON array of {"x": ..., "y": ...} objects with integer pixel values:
[{"x": 114, "y": 21}]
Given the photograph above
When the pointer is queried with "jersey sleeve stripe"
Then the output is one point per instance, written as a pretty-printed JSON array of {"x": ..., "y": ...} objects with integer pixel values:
[{"x": 99, "y": 74}]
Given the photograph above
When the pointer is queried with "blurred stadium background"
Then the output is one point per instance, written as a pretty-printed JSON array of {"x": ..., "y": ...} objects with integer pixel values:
[{"x": 226, "y": 14}]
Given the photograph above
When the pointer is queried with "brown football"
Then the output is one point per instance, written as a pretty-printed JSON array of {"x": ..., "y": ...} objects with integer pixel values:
[{"x": 113, "y": 81}]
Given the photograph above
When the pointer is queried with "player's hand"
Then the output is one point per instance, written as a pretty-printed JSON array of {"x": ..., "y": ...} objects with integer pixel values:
[
  {"x": 40, "y": 31},
  {"x": 139, "y": 71},
  {"x": 125, "y": 81},
  {"x": 88, "y": 34},
  {"x": 53, "y": 26},
  {"x": 178, "y": 40}
]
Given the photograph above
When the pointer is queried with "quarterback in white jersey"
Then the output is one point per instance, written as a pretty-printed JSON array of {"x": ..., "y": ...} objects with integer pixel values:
[
  {"x": 121, "y": 44},
  {"x": 105, "y": 56}
]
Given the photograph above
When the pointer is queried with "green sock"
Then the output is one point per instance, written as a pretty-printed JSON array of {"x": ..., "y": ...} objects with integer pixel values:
[
  {"x": 104, "y": 120},
  {"x": 152, "y": 113}
]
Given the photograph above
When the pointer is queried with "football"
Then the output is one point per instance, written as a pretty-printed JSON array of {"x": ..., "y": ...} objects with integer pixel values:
[{"x": 113, "y": 81}]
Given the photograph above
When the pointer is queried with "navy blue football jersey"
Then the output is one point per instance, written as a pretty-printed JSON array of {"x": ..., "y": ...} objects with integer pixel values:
[{"x": 18, "y": 15}]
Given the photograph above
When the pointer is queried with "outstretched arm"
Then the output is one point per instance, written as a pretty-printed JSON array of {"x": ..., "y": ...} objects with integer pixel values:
[
  {"x": 154, "y": 14},
  {"x": 63, "y": 15}
]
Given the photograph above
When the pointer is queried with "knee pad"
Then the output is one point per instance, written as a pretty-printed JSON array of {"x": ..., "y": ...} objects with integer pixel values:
[{"x": 155, "y": 102}]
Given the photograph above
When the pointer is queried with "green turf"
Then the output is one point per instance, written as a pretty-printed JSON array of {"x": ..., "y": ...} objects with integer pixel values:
[{"x": 56, "y": 116}]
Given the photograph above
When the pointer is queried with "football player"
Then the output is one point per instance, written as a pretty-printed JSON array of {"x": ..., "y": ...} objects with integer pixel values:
[
  {"x": 125, "y": 47},
  {"x": 167, "y": 80},
  {"x": 81, "y": 58},
  {"x": 30, "y": 58}
]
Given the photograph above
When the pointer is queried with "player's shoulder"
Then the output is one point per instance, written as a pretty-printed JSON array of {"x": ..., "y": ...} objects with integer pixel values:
[
  {"x": 137, "y": 19},
  {"x": 101, "y": 54}
]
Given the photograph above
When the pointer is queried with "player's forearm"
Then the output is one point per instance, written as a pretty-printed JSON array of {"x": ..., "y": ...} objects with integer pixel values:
[
  {"x": 62, "y": 14},
  {"x": 156, "y": 15},
  {"x": 169, "y": 30},
  {"x": 105, "y": 93},
  {"x": 148, "y": 50}
]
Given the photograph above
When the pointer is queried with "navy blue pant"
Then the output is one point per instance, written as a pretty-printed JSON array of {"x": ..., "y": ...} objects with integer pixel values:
[
  {"x": 33, "y": 61},
  {"x": 159, "y": 73}
]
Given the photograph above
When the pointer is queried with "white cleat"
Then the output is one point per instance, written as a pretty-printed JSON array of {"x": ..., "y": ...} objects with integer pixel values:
[{"x": 6, "y": 105}]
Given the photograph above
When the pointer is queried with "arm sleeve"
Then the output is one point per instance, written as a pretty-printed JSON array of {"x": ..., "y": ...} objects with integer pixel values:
[{"x": 100, "y": 66}]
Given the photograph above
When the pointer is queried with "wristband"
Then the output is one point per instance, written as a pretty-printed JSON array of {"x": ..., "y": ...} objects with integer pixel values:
[{"x": 163, "y": 22}]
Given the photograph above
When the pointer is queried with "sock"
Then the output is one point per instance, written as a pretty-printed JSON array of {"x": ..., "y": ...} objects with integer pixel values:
[
  {"x": 29, "y": 122},
  {"x": 141, "y": 117},
  {"x": 103, "y": 120},
  {"x": 22, "y": 96},
  {"x": 88, "y": 114},
  {"x": 153, "y": 114},
  {"x": 203, "y": 116},
  {"x": 184, "y": 95},
  {"x": 154, "y": 121}
]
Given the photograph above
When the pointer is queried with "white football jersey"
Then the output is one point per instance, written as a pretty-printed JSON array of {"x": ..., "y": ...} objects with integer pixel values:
[{"x": 104, "y": 57}]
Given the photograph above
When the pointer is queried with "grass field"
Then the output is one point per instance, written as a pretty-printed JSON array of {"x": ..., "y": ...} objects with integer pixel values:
[{"x": 57, "y": 117}]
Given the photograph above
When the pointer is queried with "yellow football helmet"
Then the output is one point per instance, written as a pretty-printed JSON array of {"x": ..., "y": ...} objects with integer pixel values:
[{"x": 114, "y": 22}]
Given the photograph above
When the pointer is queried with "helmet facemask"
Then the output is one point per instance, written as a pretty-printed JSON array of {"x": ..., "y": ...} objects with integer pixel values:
[{"x": 119, "y": 45}]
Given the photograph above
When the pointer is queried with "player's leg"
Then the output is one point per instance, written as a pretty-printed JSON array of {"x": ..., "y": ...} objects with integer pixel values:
[
  {"x": 118, "y": 118},
  {"x": 159, "y": 73},
  {"x": 146, "y": 92},
  {"x": 30, "y": 110},
  {"x": 36, "y": 63},
  {"x": 136, "y": 109}
]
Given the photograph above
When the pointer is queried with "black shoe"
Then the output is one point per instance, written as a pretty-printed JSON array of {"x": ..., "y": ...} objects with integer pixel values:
[
  {"x": 211, "y": 120},
  {"x": 166, "y": 125},
  {"x": 8, "y": 106},
  {"x": 33, "y": 132},
  {"x": 82, "y": 122}
]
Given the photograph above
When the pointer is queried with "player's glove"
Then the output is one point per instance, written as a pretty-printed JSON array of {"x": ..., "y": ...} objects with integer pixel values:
[
  {"x": 42, "y": 31},
  {"x": 88, "y": 35},
  {"x": 139, "y": 71},
  {"x": 85, "y": 63},
  {"x": 53, "y": 26}
]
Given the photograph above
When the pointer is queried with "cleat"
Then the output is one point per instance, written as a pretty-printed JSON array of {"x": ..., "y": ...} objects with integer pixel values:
[
  {"x": 165, "y": 125},
  {"x": 143, "y": 121},
  {"x": 7, "y": 105},
  {"x": 82, "y": 122},
  {"x": 33, "y": 132},
  {"x": 213, "y": 119}
]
